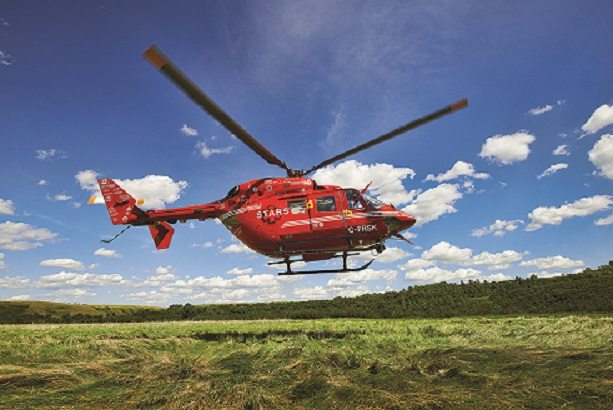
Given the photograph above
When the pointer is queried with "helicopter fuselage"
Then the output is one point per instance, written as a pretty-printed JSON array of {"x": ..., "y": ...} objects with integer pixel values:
[{"x": 280, "y": 217}]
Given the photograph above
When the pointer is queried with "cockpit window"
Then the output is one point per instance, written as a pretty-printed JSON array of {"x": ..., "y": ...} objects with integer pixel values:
[
  {"x": 375, "y": 203},
  {"x": 353, "y": 199}
]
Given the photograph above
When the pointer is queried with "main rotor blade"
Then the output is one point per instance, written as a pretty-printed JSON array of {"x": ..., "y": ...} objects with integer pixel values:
[
  {"x": 162, "y": 63},
  {"x": 401, "y": 130}
]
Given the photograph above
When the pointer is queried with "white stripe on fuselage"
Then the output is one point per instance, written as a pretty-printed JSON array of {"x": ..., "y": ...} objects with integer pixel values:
[{"x": 364, "y": 215}]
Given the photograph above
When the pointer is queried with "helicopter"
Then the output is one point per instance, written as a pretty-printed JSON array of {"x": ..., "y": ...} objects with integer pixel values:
[{"x": 287, "y": 219}]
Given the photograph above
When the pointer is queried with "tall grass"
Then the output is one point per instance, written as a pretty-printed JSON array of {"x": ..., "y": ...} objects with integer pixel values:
[{"x": 508, "y": 362}]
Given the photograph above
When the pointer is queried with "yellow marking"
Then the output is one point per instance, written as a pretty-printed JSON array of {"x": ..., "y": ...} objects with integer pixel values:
[
  {"x": 140, "y": 201},
  {"x": 155, "y": 57},
  {"x": 310, "y": 204},
  {"x": 348, "y": 213},
  {"x": 91, "y": 199},
  {"x": 459, "y": 105}
]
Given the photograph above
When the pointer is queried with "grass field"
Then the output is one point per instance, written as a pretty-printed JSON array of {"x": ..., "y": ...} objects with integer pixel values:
[{"x": 489, "y": 363}]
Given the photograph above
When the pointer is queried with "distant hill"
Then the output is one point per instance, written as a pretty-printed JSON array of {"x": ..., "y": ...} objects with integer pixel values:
[
  {"x": 587, "y": 292},
  {"x": 51, "y": 312}
]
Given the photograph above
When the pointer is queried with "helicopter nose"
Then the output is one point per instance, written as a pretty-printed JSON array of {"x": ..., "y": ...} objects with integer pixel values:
[{"x": 405, "y": 221}]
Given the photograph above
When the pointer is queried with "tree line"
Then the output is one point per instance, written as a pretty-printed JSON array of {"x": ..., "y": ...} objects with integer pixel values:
[{"x": 586, "y": 292}]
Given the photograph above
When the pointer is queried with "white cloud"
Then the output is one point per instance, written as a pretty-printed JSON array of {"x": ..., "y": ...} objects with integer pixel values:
[
  {"x": 51, "y": 153},
  {"x": 553, "y": 262},
  {"x": 599, "y": 119},
  {"x": 540, "y": 110},
  {"x": 73, "y": 293},
  {"x": 163, "y": 270},
  {"x": 545, "y": 108},
  {"x": 63, "y": 278},
  {"x": 256, "y": 281},
  {"x": 107, "y": 253},
  {"x": 506, "y": 149},
  {"x": 41, "y": 182},
  {"x": 390, "y": 255},
  {"x": 237, "y": 248},
  {"x": 460, "y": 168},
  {"x": 17, "y": 236},
  {"x": 241, "y": 281},
  {"x": 351, "y": 292},
  {"x": 63, "y": 263},
  {"x": 545, "y": 274},
  {"x": 206, "y": 151},
  {"x": 61, "y": 197},
  {"x": 352, "y": 278},
  {"x": 386, "y": 179},
  {"x": 561, "y": 150},
  {"x": 552, "y": 170},
  {"x": 604, "y": 221},
  {"x": 228, "y": 296},
  {"x": 446, "y": 252},
  {"x": 497, "y": 277},
  {"x": 6, "y": 58},
  {"x": 336, "y": 130},
  {"x": 13, "y": 282},
  {"x": 451, "y": 254},
  {"x": 87, "y": 179},
  {"x": 554, "y": 216},
  {"x": 156, "y": 190},
  {"x": 188, "y": 131},
  {"x": 498, "y": 228},
  {"x": 433, "y": 203},
  {"x": 237, "y": 271},
  {"x": 316, "y": 292},
  {"x": 162, "y": 274},
  {"x": 153, "y": 297},
  {"x": 2, "y": 263},
  {"x": 501, "y": 260},
  {"x": 436, "y": 274},
  {"x": 601, "y": 155},
  {"x": 415, "y": 264},
  {"x": 6, "y": 207},
  {"x": 204, "y": 245},
  {"x": 18, "y": 298}
]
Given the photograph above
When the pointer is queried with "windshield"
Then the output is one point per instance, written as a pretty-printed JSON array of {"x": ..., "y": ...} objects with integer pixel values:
[{"x": 375, "y": 203}]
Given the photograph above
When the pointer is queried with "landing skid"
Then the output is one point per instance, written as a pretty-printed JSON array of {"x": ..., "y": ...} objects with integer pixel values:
[{"x": 288, "y": 262}]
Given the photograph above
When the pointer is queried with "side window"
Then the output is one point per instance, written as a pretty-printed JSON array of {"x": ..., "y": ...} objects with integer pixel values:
[
  {"x": 297, "y": 207},
  {"x": 353, "y": 199},
  {"x": 326, "y": 204}
]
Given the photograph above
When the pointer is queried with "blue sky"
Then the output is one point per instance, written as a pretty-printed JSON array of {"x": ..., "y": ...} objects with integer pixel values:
[{"x": 518, "y": 183}]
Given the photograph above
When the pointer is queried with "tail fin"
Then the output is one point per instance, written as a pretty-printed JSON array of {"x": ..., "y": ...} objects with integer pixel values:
[
  {"x": 123, "y": 210},
  {"x": 121, "y": 205},
  {"x": 161, "y": 234}
]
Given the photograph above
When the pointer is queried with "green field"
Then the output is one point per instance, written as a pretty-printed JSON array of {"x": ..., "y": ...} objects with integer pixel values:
[{"x": 506, "y": 362}]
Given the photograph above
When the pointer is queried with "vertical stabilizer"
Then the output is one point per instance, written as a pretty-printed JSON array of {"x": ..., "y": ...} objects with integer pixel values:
[{"x": 121, "y": 205}]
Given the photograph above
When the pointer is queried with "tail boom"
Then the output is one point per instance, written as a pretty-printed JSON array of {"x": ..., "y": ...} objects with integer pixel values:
[{"x": 123, "y": 210}]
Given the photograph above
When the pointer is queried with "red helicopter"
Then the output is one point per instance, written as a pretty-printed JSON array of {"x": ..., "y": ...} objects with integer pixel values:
[{"x": 289, "y": 219}]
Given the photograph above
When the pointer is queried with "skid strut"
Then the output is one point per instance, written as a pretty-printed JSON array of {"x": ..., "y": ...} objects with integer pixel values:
[{"x": 288, "y": 262}]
